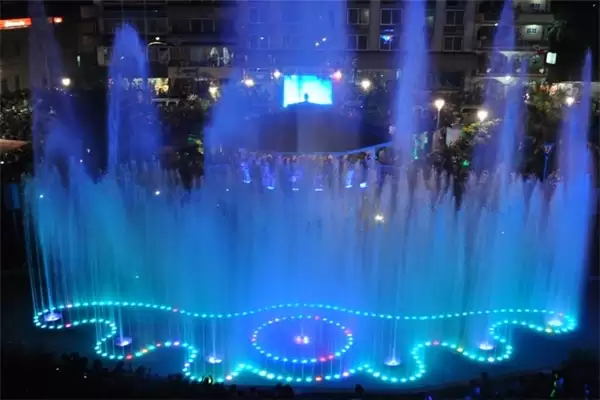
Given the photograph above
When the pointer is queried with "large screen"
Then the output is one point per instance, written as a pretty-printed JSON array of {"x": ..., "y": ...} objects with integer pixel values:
[{"x": 297, "y": 87}]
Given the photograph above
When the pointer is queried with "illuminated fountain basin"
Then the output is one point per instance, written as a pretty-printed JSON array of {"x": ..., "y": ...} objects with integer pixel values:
[{"x": 256, "y": 345}]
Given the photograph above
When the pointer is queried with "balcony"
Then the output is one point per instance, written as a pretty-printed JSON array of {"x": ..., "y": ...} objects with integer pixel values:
[
  {"x": 534, "y": 18},
  {"x": 520, "y": 45}
]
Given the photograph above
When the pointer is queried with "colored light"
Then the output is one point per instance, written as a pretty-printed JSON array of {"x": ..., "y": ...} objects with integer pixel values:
[
  {"x": 379, "y": 218},
  {"x": 486, "y": 346},
  {"x": 212, "y": 359},
  {"x": 392, "y": 362},
  {"x": 302, "y": 340},
  {"x": 123, "y": 341},
  {"x": 52, "y": 316},
  {"x": 555, "y": 322},
  {"x": 504, "y": 350},
  {"x": 306, "y": 88}
]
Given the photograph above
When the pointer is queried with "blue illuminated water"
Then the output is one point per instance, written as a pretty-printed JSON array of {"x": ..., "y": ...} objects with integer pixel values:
[{"x": 373, "y": 273}]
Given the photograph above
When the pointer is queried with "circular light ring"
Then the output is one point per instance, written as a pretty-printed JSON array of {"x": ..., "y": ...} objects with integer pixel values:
[
  {"x": 568, "y": 324},
  {"x": 321, "y": 358}
]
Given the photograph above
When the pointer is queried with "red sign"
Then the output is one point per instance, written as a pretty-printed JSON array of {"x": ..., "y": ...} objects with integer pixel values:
[{"x": 20, "y": 23}]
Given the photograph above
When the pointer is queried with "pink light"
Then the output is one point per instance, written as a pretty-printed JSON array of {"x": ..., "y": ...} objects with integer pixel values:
[
  {"x": 176, "y": 343},
  {"x": 436, "y": 342},
  {"x": 67, "y": 325},
  {"x": 345, "y": 374},
  {"x": 337, "y": 75},
  {"x": 302, "y": 340}
]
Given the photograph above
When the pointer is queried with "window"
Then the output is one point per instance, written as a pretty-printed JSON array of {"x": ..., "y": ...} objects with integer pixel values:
[
  {"x": 390, "y": 16},
  {"x": 203, "y": 26},
  {"x": 358, "y": 16},
  {"x": 388, "y": 42},
  {"x": 257, "y": 16},
  {"x": 358, "y": 42},
  {"x": 180, "y": 54},
  {"x": 291, "y": 41},
  {"x": 157, "y": 25},
  {"x": 536, "y": 6},
  {"x": 454, "y": 17},
  {"x": 257, "y": 42},
  {"x": 453, "y": 43},
  {"x": 181, "y": 26},
  {"x": 531, "y": 31}
]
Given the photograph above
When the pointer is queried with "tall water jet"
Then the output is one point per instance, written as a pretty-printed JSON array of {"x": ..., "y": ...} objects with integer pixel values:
[
  {"x": 133, "y": 133},
  {"x": 573, "y": 201},
  {"x": 53, "y": 118},
  {"x": 413, "y": 72}
]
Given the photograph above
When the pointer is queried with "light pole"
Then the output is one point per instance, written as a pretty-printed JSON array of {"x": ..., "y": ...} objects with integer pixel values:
[
  {"x": 439, "y": 104},
  {"x": 548, "y": 147}
]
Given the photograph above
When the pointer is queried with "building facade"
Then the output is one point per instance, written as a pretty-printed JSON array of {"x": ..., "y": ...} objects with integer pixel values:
[{"x": 223, "y": 39}]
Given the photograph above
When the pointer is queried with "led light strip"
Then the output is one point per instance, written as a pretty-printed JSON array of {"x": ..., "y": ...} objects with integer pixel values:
[
  {"x": 319, "y": 358},
  {"x": 561, "y": 324}
]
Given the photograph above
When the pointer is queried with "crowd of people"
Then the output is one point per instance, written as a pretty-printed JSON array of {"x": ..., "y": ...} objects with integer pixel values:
[{"x": 42, "y": 375}]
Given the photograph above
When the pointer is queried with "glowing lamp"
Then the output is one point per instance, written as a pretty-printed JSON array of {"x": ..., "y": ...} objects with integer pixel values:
[
  {"x": 486, "y": 346},
  {"x": 123, "y": 341},
  {"x": 379, "y": 218},
  {"x": 276, "y": 74},
  {"x": 249, "y": 82},
  {"x": 302, "y": 340},
  {"x": 569, "y": 101},
  {"x": 439, "y": 104},
  {"x": 337, "y": 75},
  {"x": 482, "y": 115},
  {"x": 212, "y": 359},
  {"x": 65, "y": 82},
  {"x": 555, "y": 323},
  {"x": 365, "y": 84},
  {"x": 52, "y": 316},
  {"x": 392, "y": 362}
]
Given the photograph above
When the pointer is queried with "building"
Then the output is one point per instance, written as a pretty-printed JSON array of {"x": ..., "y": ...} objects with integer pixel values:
[
  {"x": 195, "y": 40},
  {"x": 17, "y": 72},
  {"x": 187, "y": 40},
  {"x": 533, "y": 21}
]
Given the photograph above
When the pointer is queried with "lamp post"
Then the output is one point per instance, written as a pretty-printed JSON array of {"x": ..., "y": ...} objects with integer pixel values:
[
  {"x": 439, "y": 104},
  {"x": 482, "y": 115},
  {"x": 548, "y": 147}
]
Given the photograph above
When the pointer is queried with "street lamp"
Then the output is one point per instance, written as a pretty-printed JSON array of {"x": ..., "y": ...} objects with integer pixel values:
[
  {"x": 482, "y": 115},
  {"x": 439, "y": 104},
  {"x": 276, "y": 74},
  {"x": 65, "y": 82},
  {"x": 365, "y": 84},
  {"x": 337, "y": 75},
  {"x": 249, "y": 82},
  {"x": 569, "y": 101}
]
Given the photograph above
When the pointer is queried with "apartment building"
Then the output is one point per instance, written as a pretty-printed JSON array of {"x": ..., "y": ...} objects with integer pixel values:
[
  {"x": 17, "y": 72},
  {"x": 533, "y": 21},
  {"x": 187, "y": 39},
  {"x": 222, "y": 39}
]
